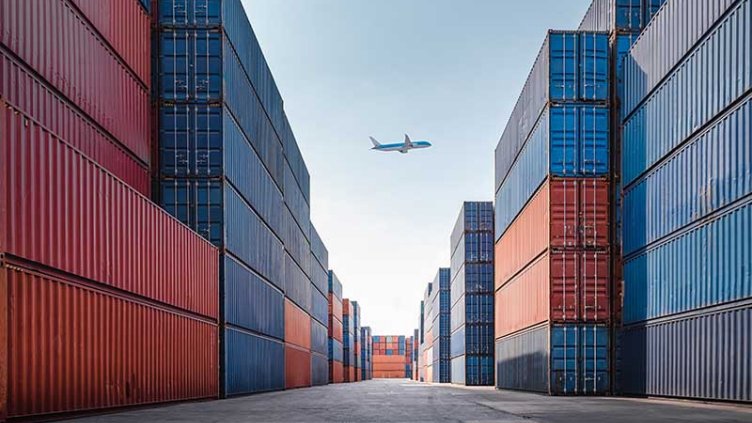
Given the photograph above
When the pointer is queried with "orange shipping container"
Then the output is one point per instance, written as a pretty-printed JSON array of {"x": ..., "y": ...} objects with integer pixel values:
[
  {"x": 562, "y": 286},
  {"x": 297, "y": 367},
  {"x": 336, "y": 372},
  {"x": 335, "y": 307},
  {"x": 378, "y": 374},
  {"x": 397, "y": 359},
  {"x": 297, "y": 326},
  {"x": 335, "y": 329},
  {"x": 564, "y": 213}
]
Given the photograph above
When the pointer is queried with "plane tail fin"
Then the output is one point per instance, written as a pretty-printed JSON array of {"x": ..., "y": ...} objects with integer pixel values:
[
  {"x": 375, "y": 143},
  {"x": 408, "y": 142}
]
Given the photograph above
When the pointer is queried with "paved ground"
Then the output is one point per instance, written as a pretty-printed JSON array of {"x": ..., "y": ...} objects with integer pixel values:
[{"x": 406, "y": 401}]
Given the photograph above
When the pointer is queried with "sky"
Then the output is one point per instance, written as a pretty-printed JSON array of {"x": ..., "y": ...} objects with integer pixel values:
[{"x": 446, "y": 71}]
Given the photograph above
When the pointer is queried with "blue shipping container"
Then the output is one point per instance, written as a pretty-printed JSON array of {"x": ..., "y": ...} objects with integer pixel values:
[
  {"x": 570, "y": 140},
  {"x": 318, "y": 249},
  {"x": 619, "y": 15},
  {"x": 335, "y": 351},
  {"x": 243, "y": 288},
  {"x": 335, "y": 286},
  {"x": 703, "y": 355},
  {"x": 559, "y": 360},
  {"x": 319, "y": 370},
  {"x": 319, "y": 338},
  {"x": 319, "y": 307},
  {"x": 252, "y": 363},
  {"x": 297, "y": 285},
  {"x": 571, "y": 67}
]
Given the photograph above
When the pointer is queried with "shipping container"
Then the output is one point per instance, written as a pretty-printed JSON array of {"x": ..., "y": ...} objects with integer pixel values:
[
  {"x": 252, "y": 363},
  {"x": 126, "y": 28},
  {"x": 297, "y": 367},
  {"x": 651, "y": 58},
  {"x": 297, "y": 285},
  {"x": 147, "y": 252},
  {"x": 319, "y": 251},
  {"x": 319, "y": 369},
  {"x": 703, "y": 354},
  {"x": 116, "y": 371},
  {"x": 87, "y": 72},
  {"x": 319, "y": 338},
  {"x": 471, "y": 299},
  {"x": 297, "y": 326},
  {"x": 712, "y": 77},
  {"x": 244, "y": 287},
  {"x": 570, "y": 140},
  {"x": 570, "y": 67},
  {"x": 36, "y": 98},
  {"x": 620, "y": 16},
  {"x": 348, "y": 339},
  {"x": 557, "y": 360},
  {"x": 319, "y": 307},
  {"x": 336, "y": 372}
]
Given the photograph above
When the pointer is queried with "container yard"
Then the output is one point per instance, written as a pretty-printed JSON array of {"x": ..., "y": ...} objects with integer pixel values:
[{"x": 162, "y": 164}]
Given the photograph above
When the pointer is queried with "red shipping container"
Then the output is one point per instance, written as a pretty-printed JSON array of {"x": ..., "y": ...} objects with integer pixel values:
[
  {"x": 335, "y": 307},
  {"x": 57, "y": 42},
  {"x": 297, "y": 367},
  {"x": 70, "y": 346},
  {"x": 345, "y": 307},
  {"x": 336, "y": 372},
  {"x": 560, "y": 286},
  {"x": 34, "y": 97},
  {"x": 60, "y": 209},
  {"x": 297, "y": 326},
  {"x": 349, "y": 373},
  {"x": 335, "y": 329},
  {"x": 125, "y": 26},
  {"x": 564, "y": 213}
]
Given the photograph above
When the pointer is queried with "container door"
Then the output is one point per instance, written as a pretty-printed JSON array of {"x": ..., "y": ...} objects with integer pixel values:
[
  {"x": 563, "y": 72},
  {"x": 594, "y": 67}
]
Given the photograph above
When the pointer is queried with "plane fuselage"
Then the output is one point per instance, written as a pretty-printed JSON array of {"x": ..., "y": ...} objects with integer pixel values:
[{"x": 401, "y": 146}]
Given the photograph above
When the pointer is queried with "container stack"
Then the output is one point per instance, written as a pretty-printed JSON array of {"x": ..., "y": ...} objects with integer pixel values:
[
  {"x": 75, "y": 217},
  {"x": 427, "y": 345},
  {"x": 223, "y": 166},
  {"x": 552, "y": 223},
  {"x": 357, "y": 340},
  {"x": 348, "y": 341},
  {"x": 472, "y": 295},
  {"x": 336, "y": 354},
  {"x": 319, "y": 310},
  {"x": 416, "y": 353},
  {"x": 366, "y": 348},
  {"x": 686, "y": 142},
  {"x": 421, "y": 343},
  {"x": 389, "y": 357},
  {"x": 409, "y": 357},
  {"x": 439, "y": 324}
]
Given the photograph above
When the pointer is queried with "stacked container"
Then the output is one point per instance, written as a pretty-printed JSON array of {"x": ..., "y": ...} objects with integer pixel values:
[
  {"x": 421, "y": 343},
  {"x": 552, "y": 223},
  {"x": 426, "y": 350},
  {"x": 348, "y": 341},
  {"x": 357, "y": 341},
  {"x": 319, "y": 310},
  {"x": 439, "y": 324},
  {"x": 83, "y": 252},
  {"x": 389, "y": 357},
  {"x": 408, "y": 357},
  {"x": 471, "y": 296},
  {"x": 416, "y": 353},
  {"x": 366, "y": 348},
  {"x": 225, "y": 157},
  {"x": 686, "y": 142},
  {"x": 336, "y": 353}
]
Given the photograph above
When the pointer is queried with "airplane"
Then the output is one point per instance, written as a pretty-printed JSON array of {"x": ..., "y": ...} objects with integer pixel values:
[{"x": 401, "y": 147}]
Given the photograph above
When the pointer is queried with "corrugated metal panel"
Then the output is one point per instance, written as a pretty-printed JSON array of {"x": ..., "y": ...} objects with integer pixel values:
[
  {"x": 319, "y": 251},
  {"x": 336, "y": 372},
  {"x": 297, "y": 285},
  {"x": 297, "y": 326},
  {"x": 335, "y": 350},
  {"x": 296, "y": 202},
  {"x": 319, "y": 277},
  {"x": 457, "y": 342},
  {"x": 458, "y": 370},
  {"x": 196, "y": 203},
  {"x": 716, "y": 73},
  {"x": 335, "y": 286},
  {"x": 252, "y": 363},
  {"x": 295, "y": 159},
  {"x": 319, "y": 338},
  {"x": 87, "y": 72},
  {"x": 570, "y": 141},
  {"x": 250, "y": 239},
  {"x": 475, "y": 216},
  {"x": 296, "y": 245},
  {"x": 619, "y": 15},
  {"x": 146, "y": 4},
  {"x": 526, "y": 300},
  {"x": 562, "y": 360},
  {"x": 297, "y": 367},
  {"x": 571, "y": 66},
  {"x": 148, "y": 252},
  {"x": 250, "y": 302},
  {"x": 35, "y": 97},
  {"x": 319, "y": 307},
  {"x": 319, "y": 370},
  {"x": 703, "y": 355},
  {"x": 120, "y": 367},
  {"x": 335, "y": 329},
  {"x": 705, "y": 265},
  {"x": 651, "y": 58},
  {"x": 126, "y": 27},
  {"x": 720, "y": 162}
]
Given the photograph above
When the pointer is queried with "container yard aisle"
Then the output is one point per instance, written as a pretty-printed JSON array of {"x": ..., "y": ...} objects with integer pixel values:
[{"x": 400, "y": 400}]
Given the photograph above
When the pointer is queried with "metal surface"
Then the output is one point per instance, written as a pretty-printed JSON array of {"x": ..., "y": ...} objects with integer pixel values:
[
  {"x": 101, "y": 230},
  {"x": 319, "y": 338},
  {"x": 621, "y": 16},
  {"x": 319, "y": 251},
  {"x": 651, "y": 58},
  {"x": 297, "y": 367},
  {"x": 297, "y": 286},
  {"x": 76, "y": 346},
  {"x": 319, "y": 370},
  {"x": 243, "y": 288},
  {"x": 87, "y": 72},
  {"x": 571, "y": 66},
  {"x": 252, "y": 363},
  {"x": 35, "y": 97},
  {"x": 319, "y": 307},
  {"x": 126, "y": 27},
  {"x": 701, "y": 355},
  {"x": 297, "y": 326},
  {"x": 714, "y": 75}
]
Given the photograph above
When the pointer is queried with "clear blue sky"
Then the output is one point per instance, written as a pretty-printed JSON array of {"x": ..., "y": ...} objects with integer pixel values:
[{"x": 446, "y": 71}]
